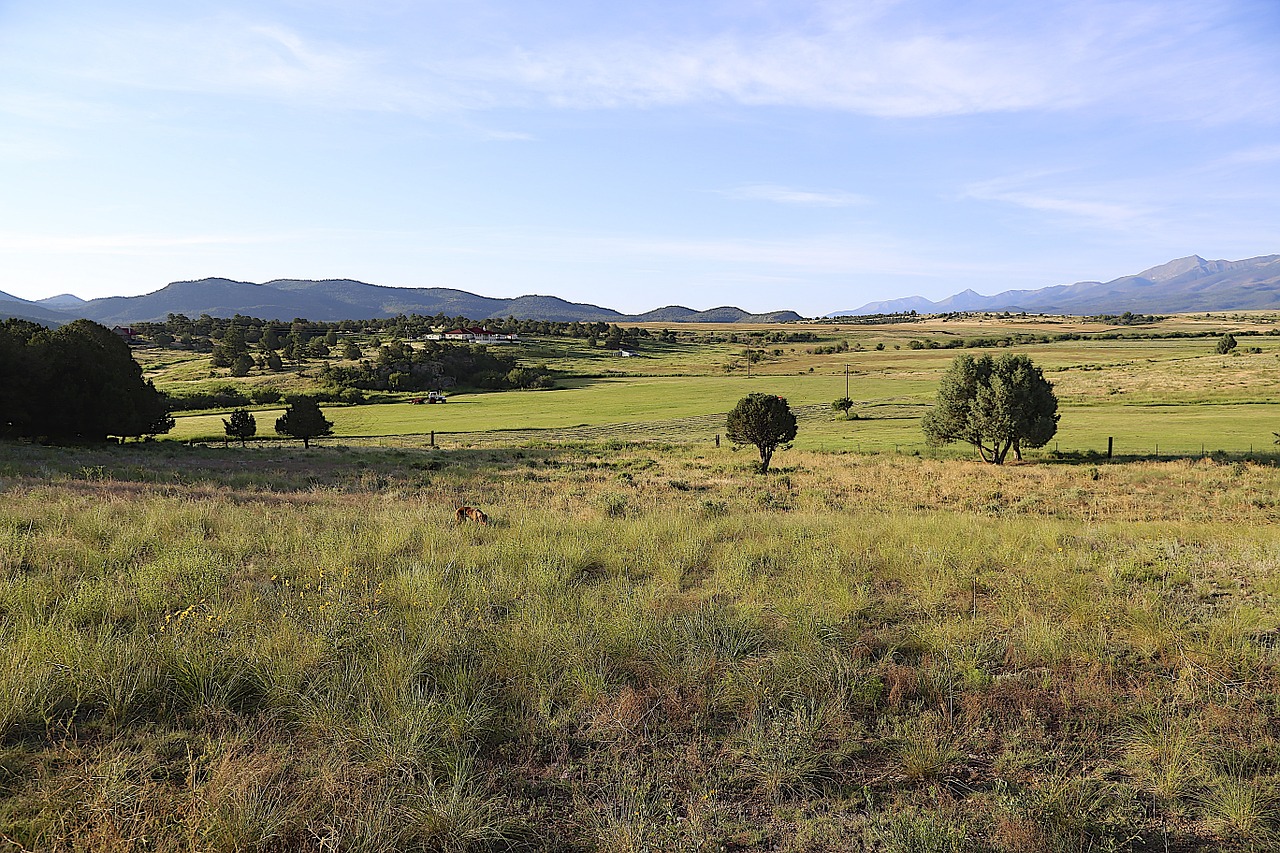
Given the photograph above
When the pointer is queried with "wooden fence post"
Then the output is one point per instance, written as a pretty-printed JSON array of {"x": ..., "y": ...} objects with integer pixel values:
[{"x": 1109, "y": 440}]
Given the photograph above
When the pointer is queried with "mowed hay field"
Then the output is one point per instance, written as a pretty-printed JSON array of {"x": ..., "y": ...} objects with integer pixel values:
[
  {"x": 1151, "y": 395},
  {"x": 650, "y": 647}
]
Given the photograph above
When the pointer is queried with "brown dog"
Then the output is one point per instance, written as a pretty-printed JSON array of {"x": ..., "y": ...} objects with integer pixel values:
[{"x": 469, "y": 512}]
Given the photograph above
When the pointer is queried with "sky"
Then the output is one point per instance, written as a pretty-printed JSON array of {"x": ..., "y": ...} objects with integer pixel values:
[{"x": 811, "y": 156}]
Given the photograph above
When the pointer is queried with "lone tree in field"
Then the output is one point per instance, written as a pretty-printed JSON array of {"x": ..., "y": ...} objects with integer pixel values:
[
  {"x": 764, "y": 420},
  {"x": 844, "y": 404},
  {"x": 1226, "y": 343},
  {"x": 242, "y": 425},
  {"x": 303, "y": 419},
  {"x": 997, "y": 405}
]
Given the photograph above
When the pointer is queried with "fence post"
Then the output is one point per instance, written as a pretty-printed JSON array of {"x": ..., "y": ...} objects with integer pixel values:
[
  {"x": 433, "y": 438},
  {"x": 1109, "y": 440}
]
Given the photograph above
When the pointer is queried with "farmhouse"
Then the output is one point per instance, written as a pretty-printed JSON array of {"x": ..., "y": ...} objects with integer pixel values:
[{"x": 478, "y": 335}]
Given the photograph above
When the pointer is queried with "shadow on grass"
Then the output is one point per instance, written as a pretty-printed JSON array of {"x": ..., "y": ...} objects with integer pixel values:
[{"x": 272, "y": 468}]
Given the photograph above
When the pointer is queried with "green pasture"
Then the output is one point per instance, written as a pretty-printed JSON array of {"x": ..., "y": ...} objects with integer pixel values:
[
  {"x": 584, "y": 402},
  {"x": 1167, "y": 395}
]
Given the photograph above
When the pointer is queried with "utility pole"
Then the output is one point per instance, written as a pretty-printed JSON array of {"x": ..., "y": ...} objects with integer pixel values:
[{"x": 846, "y": 381}]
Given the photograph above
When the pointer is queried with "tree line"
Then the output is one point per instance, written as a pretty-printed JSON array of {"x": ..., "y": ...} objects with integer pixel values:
[{"x": 301, "y": 338}]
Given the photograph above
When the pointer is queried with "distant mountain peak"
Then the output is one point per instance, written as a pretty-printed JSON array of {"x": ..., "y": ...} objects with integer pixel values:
[
  {"x": 62, "y": 300},
  {"x": 1184, "y": 285},
  {"x": 1175, "y": 268}
]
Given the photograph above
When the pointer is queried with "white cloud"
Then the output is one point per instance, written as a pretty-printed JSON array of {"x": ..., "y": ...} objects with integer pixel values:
[
  {"x": 507, "y": 136},
  {"x": 1100, "y": 212},
  {"x": 120, "y": 243},
  {"x": 1172, "y": 59},
  {"x": 791, "y": 195},
  {"x": 1251, "y": 156},
  {"x": 1168, "y": 60}
]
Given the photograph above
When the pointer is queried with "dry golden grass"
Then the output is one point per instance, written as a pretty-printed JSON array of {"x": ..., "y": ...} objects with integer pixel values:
[{"x": 646, "y": 648}]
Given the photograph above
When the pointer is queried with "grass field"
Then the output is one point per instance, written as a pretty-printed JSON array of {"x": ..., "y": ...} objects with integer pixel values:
[
  {"x": 649, "y": 648},
  {"x": 1171, "y": 395},
  {"x": 876, "y": 647}
]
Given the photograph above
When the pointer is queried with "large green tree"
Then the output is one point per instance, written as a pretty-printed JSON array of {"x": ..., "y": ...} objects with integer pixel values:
[
  {"x": 764, "y": 420},
  {"x": 997, "y": 405},
  {"x": 78, "y": 382},
  {"x": 303, "y": 419}
]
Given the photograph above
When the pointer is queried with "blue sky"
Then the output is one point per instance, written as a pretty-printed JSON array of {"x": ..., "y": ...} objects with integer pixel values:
[{"x": 803, "y": 155}]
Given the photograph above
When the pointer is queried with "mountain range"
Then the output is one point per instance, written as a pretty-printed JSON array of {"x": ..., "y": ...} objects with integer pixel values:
[
  {"x": 342, "y": 299},
  {"x": 1181, "y": 286},
  {"x": 1185, "y": 285}
]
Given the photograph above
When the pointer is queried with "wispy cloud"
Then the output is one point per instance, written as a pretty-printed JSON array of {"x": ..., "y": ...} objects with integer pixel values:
[
  {"x": 121, "y": 243},
  {"x": 1251, "y": 156},
  {"x": 791, "y": 195},
  {"x": 234, "y": 56},
  {"x": 1065, "y": 196},
  {"x": 1170, "y": 59},
  {"x": 507, "y": 136},
  {"x": 1098, "y": 212}
]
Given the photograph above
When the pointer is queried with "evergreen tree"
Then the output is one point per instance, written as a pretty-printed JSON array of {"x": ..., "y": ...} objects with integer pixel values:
[
  {"x": 75, "y": 383},
  {"x": 764, "y": 420},
  {"x": 997, "y": 405},
  {"x": 242, "y": 365},
  {"x": 242, "y": 425},
  {"x": 303, "y": 419},
  {"x": 270, "y": 341}
]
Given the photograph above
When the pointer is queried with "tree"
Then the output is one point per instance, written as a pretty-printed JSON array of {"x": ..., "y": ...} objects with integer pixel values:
[
  {"x": 75, "y": 383},
  {"x": 242, "y": 365},
  {"x": 1226, "y": 343},
  {"x": 230, "y": 348},
  {"x": 242, "y": 425},
  {"x": 844, "y": 404},
  {"x": 303, "y": 419},
  {"x": 350, "y": 351},
  {"x": 270, "y": 341},
  {"x": 997, "y": 405},
  {"x": 764, "y": 420}
]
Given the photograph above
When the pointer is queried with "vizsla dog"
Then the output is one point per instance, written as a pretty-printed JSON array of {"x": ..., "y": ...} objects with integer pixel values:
[{"x": 465, "y": 513}]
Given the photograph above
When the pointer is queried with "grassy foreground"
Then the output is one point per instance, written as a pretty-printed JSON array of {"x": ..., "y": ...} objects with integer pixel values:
[{"x": 648, "y": 649}]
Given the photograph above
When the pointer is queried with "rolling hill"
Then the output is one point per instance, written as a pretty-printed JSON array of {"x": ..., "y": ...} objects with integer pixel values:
[
  {"x": 36, "y": 312},
  {"x": 333, "y": 300}
]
